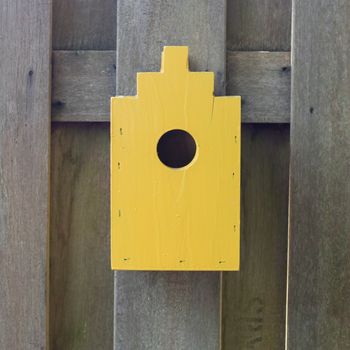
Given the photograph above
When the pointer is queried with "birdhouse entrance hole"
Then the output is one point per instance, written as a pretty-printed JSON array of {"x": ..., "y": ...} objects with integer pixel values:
[{"x": 176, "y": 148}]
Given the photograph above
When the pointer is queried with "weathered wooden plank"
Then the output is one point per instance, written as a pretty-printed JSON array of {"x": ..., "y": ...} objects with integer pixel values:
[
  {"x": 81, "y": 295},
  {"x": 84, "y": 25},
  {"x": 263, "y": 81},
  {"x": 81, "y": 303},
  {"x": 25, "y": 39},
  {"x": 254, "y": 299},
  {"x": 319, "y": 268},
  {"x": 83, "y": 81},
  {"x": 154, "y": 24},
  {"x": 162, "y": 310},
  {"x": 258, "y": 25}
]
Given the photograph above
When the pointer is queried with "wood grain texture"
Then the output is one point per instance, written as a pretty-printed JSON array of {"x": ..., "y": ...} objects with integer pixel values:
[
  {"x": 81, "y": 290},
  {"x": 84, "y": 25},
  {"x": 83, "y": 81},
  {"x": 162, "y": 310},
  {"x": 144, "y": 27},
  {"x": 82, "y": 84},
  {"x": 167, "y": 310},
  {"x": 263, "y": 81},
  {"x": 25, "y": 38},
  {"x": 254, "y": 298},
  {"x": 158, "y": 221},
  {"x": 258, "y": 25},
  {"x": 319, "y": 275}
]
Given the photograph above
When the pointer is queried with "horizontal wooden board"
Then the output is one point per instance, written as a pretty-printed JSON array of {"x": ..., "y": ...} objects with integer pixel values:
[
  {"x": 83, "y": 81},
  {"x": 263, "y": 81}
]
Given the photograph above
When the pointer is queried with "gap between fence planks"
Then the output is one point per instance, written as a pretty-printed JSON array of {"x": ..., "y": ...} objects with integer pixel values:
[
  {"x": 319, "y": 273},
  {"x": 83, "y": 81},
  {"x": 25, "y": 42}
]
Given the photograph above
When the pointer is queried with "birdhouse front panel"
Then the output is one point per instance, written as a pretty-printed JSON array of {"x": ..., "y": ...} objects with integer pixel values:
[{"x": 175, "y": 172}]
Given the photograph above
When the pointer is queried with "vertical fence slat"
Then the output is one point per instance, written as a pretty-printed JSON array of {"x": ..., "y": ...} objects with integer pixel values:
[
  {"x": 25, "y": 41},
  {"x": 81, "y": 281},
  {"x": 319, "y": 273},
  {"x": 168, "y": 310},
  {"x": 83, "y": 25},
  {"x": 254, "y": 299},
  {"x": 258, "y": 25}
]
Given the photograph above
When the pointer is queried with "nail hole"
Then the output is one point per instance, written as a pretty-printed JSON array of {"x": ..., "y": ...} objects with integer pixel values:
[
  {"x": 57, "y": 103},
  {"x": 286, "y": 68}
]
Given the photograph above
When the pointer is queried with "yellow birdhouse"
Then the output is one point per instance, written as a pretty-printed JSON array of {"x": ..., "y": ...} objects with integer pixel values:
[{"x": 175, "y": 172}]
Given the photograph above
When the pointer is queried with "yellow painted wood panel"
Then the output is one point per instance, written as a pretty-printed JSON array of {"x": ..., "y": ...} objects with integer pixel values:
[{"x": 175, "y": 219}]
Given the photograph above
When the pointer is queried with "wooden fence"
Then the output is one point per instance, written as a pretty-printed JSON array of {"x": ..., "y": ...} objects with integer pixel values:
[{"x": 57, "y": 290}]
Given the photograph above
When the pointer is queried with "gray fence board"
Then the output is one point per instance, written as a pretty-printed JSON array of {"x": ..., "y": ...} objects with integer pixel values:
[
  {"x": 84, "y": 25},
  {"x": 82, "y": 84},
  {"x": 319, "y": 274},
  {"x": 263, "y": 81},
  {"x": 258, "y": 25},
  {"x": 25, "y": 41},
  {"x": 162, "y": 310},
  {"x": 254, "y": 298},
  {"x": 83, "y": 81},
  {"x": 81, "y": 303},
  {"x": 81, "y": 292}
]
